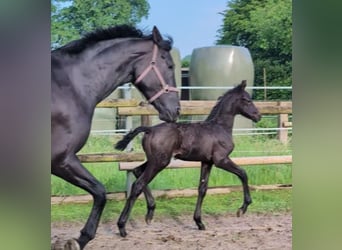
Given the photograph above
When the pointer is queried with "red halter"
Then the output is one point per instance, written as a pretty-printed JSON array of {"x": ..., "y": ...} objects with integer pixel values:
[{"x": 165, "y": 87}]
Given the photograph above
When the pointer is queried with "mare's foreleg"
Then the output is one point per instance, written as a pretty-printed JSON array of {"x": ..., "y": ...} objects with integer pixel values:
[
  {"x": 202, "y": 190},
  {"x": 72, "y": 171},
  {"x": 228, "y": 165},
  {"x": 151, "y": 205}
]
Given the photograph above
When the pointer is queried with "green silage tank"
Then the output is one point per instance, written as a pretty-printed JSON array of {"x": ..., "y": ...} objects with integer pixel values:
[{"x": 222, "y": 65}]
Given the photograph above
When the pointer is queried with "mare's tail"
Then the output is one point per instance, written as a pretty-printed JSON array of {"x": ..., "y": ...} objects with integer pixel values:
[{"x": 122, "y": 144}]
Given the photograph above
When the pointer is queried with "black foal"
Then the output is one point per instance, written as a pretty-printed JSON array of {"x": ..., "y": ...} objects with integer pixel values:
[{"x": 209, "y": 142}]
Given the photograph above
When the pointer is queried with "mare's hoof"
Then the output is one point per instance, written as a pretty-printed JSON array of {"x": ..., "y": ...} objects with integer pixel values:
[
  {"x": 201, "y": 227},
  {"x": 72, "y": 244}
]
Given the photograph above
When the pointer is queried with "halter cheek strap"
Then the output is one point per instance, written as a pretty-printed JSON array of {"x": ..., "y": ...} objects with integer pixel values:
[{"x": 165, "y": 87}]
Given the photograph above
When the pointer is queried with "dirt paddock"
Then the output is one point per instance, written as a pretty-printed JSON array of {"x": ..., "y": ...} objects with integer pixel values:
[{"x": 252, "y": 231}]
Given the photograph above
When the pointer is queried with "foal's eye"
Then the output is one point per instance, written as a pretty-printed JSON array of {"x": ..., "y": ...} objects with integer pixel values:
[{"x": 247, "y": 101}]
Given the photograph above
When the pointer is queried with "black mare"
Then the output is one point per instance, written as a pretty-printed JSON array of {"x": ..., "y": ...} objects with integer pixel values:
[
  {"x": 86, "y": 71},
  {"x": 209, "y": 141}
]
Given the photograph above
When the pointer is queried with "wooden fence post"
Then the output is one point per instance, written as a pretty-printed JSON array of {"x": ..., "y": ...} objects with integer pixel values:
[
  {"x": 146, "y": 120},
  {"x": 130, "y": 178},
  {"x": 283, "y": 133},
  {"x": 129, "y": 124}
]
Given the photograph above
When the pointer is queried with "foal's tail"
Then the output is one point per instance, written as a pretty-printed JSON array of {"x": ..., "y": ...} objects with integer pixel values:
[{"x": 122, "y": 144}]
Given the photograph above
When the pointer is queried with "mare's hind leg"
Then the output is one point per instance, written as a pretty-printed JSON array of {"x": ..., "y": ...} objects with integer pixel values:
[
  {"x": 72, "y": 171},
  {"x": 151, "y": 170},
  {"x": 228, "y": 165},
  {"x": 151, "y": 205},
  {"x": 202, "y": 190}
]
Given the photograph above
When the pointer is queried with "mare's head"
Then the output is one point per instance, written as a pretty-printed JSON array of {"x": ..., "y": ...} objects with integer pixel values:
[
  {"x": 146, "y": 58},
  {"x": 244, "y": 104},
  {"x": 154, "y": 77}
]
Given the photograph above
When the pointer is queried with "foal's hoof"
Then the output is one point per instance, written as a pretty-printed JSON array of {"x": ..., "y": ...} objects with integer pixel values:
[
  {"x": 123, "y": 232},
  {"x": 149, "y": 217},
  {"x": 239, "y": 212},
  {"x": 201, "y": 226},
  {"x": 72, "y": 244},
  {"x": 199, "y": 223},
  {"x": 148, "y": 220}
]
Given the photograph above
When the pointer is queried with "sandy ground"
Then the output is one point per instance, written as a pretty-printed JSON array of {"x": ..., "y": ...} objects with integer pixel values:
[{"x": 252, "y": 231}]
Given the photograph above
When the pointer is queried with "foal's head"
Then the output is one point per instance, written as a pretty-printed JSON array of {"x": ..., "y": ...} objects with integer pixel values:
[
  {"x": 235, "y": 101},
  {"x": 243, "y": 103}
]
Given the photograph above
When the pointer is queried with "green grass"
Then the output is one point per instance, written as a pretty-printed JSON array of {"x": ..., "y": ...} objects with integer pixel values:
[
  {"x": 263, "y": 201},
  {"x": 107, "y": 173},
  {"x": 115, "y": 180}
]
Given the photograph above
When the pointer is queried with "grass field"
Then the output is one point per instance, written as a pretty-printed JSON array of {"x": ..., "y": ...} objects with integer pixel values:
[
  {"x": 115, "y": 180},
  {"x": 263, "y": 202}
]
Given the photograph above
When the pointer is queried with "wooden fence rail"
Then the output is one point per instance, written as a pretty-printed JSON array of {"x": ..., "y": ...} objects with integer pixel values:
[
  {"x": 129, "y": 161},
  {"x": 111, "y": 157},
  {"x": 242, "y": 161},
  {"x": 134, "y": 107},
  {"x": 167, "y": 193}
]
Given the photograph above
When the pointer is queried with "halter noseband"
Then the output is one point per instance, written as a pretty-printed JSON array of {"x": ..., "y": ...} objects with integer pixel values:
[{"x": 165, "y": 87}]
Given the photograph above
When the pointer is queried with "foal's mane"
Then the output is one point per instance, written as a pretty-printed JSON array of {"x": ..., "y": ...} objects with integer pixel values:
[
  {"x": 102, "y": 34},
  {"x": 220, "y": 102}
]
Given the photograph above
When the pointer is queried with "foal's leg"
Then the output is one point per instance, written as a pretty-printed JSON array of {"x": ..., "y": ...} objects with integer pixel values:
[
  {"x": 227, "y": 164},
  {"x": 73, "y": 172},
  {"x": 202, "y": 190},
  {"x": 151, "y": 170},
  {"x": 151, "y": 205}
]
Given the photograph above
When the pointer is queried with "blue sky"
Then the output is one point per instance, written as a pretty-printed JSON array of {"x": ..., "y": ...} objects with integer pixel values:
[{"x": 191, "y": 23}]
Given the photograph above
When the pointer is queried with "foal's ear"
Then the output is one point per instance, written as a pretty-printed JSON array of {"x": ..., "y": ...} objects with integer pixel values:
[
  {"x": 157, "y": 38},
  {"x": 243, "y": 85}
]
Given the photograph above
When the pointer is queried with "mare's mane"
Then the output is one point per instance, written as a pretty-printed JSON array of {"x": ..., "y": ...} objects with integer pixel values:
[{"x": 119, "y": 31}]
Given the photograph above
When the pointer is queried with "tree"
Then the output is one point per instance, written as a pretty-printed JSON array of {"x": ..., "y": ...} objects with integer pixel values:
[
  {"x": 72, "y": 18},
  {"x": 265, "y": 28},
  {"x": 186, "y": 61}
]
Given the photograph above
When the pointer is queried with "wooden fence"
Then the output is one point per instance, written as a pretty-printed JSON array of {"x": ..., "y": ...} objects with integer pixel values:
[
  {"x": 127, "y": 161},
  {"x": 133, "y": 107}
]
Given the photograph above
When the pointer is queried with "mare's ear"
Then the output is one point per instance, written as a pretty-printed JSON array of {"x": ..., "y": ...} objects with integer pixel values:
[
  {"x": 157, "y": 38},
  {"x": 243, "y": 85}
]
